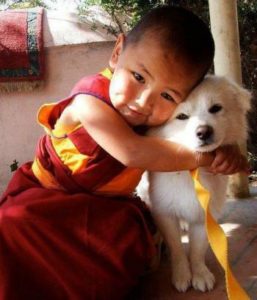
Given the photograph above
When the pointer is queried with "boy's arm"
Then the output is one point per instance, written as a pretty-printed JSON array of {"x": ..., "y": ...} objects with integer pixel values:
[{"x": 113, "y": 134}]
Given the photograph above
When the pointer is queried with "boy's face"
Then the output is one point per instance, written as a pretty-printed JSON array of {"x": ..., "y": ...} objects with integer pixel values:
[{"x": 147, "y": 83}]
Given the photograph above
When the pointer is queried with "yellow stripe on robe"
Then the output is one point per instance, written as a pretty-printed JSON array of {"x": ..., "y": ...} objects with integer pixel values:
[
  {"x": 43, "y": 115},
  {"x": 123, "y": 184},
  {"x": 46, "y": 179},
  {"x": 107, "y": 73},
  {"x": 63, "y": 146},
  {"x": 69, "y": 154}
]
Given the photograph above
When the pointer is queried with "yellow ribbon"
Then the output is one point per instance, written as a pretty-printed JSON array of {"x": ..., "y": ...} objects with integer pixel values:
[{"x": 218, "y": 242}]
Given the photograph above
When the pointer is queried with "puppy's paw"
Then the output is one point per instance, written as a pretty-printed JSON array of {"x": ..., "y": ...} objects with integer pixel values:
[
  {"x": 202, "y": 279},
  {"x": 181, "y": 276}
]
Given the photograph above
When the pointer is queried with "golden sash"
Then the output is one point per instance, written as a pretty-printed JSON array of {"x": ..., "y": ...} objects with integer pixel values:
[{"x": 218, "y": 241}]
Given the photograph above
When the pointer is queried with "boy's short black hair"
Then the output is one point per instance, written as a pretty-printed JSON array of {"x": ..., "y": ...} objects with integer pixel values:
[{"x": 180, "y": 30}]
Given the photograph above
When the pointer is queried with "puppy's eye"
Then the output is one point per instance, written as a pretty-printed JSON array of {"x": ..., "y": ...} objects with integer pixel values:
[
  {"x": 182, "y": 117},
  {"x": 215, "y": 108}
]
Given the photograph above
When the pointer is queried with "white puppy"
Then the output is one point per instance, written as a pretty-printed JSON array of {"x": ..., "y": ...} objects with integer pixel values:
[{"x": 214, "y": 114}]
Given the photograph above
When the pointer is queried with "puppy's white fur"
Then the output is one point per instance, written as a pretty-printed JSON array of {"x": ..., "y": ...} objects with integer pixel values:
[{"x": 214, "y": 114}]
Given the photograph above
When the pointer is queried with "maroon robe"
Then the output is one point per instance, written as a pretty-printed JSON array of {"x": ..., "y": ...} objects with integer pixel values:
[{"x": 68, "y": 240}]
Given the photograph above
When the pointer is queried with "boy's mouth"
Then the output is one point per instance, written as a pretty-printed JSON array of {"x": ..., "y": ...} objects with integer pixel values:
[
  {"x": 135, "y": 111},
  {"x": 134, "y": 116}
]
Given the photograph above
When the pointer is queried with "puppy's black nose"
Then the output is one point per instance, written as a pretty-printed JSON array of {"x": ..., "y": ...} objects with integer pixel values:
[{"x": 204, "y": 132}]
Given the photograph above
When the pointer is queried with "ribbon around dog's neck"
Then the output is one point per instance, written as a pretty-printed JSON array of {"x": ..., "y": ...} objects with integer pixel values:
[{"x": 218, "y": 241}]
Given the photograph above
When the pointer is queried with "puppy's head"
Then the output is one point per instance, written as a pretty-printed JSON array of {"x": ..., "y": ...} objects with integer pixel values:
[{"x": 214, "y": 114}]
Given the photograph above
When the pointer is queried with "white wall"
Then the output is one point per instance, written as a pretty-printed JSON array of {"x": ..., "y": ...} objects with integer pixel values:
[{"x": 65, "y": 65}]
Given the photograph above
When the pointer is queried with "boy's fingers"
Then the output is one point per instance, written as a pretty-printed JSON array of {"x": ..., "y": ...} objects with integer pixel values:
[
  {"x": 237, "y": 165},
  {"x": 216, "y": 162},
  {"x": 222, "y": 154},
  {"x": 219, "y": 163},
  {"x": 232, "y": 169}
]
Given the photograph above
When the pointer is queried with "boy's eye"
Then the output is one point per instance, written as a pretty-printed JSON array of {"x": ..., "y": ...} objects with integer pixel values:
[
  {"x": 138, "y": 77},
  {"x": 215, "y": 108},
  {"x": 182, "y": 117},
  {"x": 167, "y": 96}
]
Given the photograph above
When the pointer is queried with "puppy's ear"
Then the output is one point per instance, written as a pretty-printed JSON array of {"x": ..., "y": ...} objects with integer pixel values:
[{"x": 244, "y": 98}]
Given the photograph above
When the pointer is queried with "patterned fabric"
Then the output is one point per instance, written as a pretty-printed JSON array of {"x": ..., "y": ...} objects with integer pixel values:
[{"x": 21, "y": 45}]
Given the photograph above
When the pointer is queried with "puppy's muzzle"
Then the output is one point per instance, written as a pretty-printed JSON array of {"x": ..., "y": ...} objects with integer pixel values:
[{"x": 204, "y": 133}]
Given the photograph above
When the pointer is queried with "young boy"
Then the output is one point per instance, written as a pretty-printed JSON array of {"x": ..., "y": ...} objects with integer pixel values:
[{"x": 71, "y": 227}]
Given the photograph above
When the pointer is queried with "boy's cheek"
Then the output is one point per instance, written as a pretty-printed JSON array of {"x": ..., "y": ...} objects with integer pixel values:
[{"x": 163, "y": 113}]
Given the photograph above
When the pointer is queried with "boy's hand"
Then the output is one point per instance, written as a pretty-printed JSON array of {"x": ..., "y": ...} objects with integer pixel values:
[{"x": 229, "y": 160}]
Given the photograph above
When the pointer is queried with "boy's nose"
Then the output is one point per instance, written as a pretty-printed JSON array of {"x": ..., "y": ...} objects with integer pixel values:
[{"x": 145, "y": 100}]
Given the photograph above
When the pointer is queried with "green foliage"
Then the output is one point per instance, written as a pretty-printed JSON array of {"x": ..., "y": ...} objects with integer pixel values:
[
  {"x": 22, "y": 4},
  {"x": 247, "y": 14},
  {"x": 29, "y": 4},
  {"x": 133, "y": 12}
]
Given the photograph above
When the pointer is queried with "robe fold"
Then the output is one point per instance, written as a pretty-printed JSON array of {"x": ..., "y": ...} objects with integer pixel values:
[{"x": 70, "y": 225}]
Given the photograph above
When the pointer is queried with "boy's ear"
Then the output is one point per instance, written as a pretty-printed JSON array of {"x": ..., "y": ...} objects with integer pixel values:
[{"x": 117, "y": 51}]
